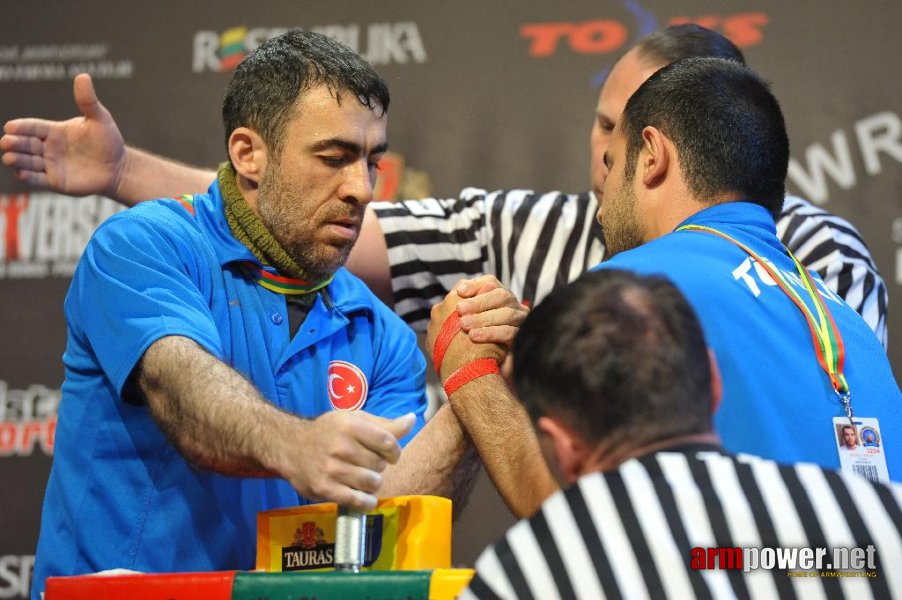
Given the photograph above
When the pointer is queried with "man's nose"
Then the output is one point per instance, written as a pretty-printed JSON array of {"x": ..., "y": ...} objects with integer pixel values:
[{"x": 358, "y": 183}]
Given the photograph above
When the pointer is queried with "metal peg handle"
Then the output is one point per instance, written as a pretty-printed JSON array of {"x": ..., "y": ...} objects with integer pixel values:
[{"x": 350, "y": 540}]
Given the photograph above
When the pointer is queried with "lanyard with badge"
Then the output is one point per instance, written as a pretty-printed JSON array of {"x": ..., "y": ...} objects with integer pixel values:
[{"x": 859, "y": 442}]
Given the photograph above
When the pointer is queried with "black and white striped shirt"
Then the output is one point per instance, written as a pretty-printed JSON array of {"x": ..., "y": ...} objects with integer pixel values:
[
  {"x": 534, "y": 243},
  {"x": 631, "y": 532}
]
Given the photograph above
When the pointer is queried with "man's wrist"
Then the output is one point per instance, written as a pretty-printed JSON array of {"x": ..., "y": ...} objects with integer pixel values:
[
  {"x": 469, "y": 372},
  {"x": 275, "y": 437},
  {"x": 119, "y": 175}
]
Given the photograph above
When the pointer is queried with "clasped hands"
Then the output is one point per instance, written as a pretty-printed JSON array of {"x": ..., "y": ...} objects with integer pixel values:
[{"x": 490, "y": 316}]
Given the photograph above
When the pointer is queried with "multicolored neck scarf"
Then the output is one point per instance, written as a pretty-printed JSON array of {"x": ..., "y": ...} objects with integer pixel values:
[{"x": 250, "y": 231}]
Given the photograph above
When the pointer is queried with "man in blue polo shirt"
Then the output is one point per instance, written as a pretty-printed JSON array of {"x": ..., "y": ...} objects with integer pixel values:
[
  {"x": 220, "y": 360},
  {"x": 693, "y": 177},
  {"x": 696, "y": 172}
]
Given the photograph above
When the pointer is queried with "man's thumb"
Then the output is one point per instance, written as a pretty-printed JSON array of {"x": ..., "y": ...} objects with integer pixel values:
[
  {"x": 86, "y": 97},
  {"x": 401, "y": 426}
]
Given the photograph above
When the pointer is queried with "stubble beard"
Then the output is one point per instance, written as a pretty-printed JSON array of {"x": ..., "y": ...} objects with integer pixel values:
[
  {"x": 620, "y": 222},
  {"x": 273, "y": 200}
]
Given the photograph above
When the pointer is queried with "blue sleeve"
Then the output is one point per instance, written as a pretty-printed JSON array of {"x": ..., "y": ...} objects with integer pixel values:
[
  {"x": 399, "y": 385},
  {"x": 140, "y": 280}
]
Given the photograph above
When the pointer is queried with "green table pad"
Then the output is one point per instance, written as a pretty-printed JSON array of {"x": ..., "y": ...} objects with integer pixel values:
[{"x": 330, "y": 585}]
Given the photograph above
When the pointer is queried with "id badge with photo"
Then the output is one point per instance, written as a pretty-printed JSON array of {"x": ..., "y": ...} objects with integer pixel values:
[{"x": 860, "y": 447}]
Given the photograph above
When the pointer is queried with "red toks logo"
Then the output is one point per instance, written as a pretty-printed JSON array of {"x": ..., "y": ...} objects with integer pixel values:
[{"x": 603, "y": 36}]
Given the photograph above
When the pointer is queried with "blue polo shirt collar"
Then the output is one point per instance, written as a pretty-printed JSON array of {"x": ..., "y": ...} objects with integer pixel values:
[{"x": 751, "y": 215}]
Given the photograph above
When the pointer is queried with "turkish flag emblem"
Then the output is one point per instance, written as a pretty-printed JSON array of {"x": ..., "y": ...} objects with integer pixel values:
[{"x": 347, "y": 386}]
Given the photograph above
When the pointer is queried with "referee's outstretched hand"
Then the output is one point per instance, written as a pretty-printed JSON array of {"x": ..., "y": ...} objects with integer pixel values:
[{"x": 79, "y": 156}]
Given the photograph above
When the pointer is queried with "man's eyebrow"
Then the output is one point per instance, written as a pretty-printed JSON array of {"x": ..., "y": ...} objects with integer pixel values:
[{"x": 347, "y": 145}]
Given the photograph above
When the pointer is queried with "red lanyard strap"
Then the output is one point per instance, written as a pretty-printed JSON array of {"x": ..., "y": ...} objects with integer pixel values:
[{"x": 827, "y": 341}]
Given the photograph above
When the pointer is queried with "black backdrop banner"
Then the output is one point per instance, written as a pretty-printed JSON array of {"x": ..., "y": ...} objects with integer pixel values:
[{"x": 490, "y": 94}]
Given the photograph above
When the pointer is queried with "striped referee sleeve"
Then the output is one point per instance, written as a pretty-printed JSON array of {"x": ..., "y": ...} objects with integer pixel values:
[
  {"x": 533, "y": 243},
  {"x": 431, "y": 244},
  {"x": 833, "y": 248}
]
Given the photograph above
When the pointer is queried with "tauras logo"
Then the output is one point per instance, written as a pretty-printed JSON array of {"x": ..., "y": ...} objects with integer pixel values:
[
  {"x": 27, "y": 419},
  {"x": 378, "y": 43},
  {"x": 42, "y": 234},
  {"x": 310, "y": 550},
  {"x": 295, "y": 558}
]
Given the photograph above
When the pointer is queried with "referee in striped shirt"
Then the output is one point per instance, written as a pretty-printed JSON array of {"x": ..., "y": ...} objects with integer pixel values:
[{"x": 621, "y": 396}]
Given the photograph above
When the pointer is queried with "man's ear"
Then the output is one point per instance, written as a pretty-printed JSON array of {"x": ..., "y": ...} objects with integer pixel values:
[
  {"x": 654, "y": 158},
  {"x": 248, "y": 153},
  {"x": 716, "y": 382},
  {"x": 568, "y": 448}
]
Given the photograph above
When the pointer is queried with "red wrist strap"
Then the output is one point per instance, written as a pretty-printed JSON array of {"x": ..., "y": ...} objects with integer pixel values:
[
  {"x": 470, "y": 371},
  {"x": 450, "y": 328}
]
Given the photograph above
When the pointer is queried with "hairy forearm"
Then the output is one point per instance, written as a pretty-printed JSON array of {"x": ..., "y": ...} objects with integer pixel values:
[
  {"x": 146, "y": 176},
  {"x": 440, "y": 461},
  {"x": 503, "y": 435},
  {"x": 214, "y": 416}
]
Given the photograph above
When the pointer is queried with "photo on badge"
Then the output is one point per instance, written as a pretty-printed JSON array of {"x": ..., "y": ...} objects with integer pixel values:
[{"x": 860, "y": 447}]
